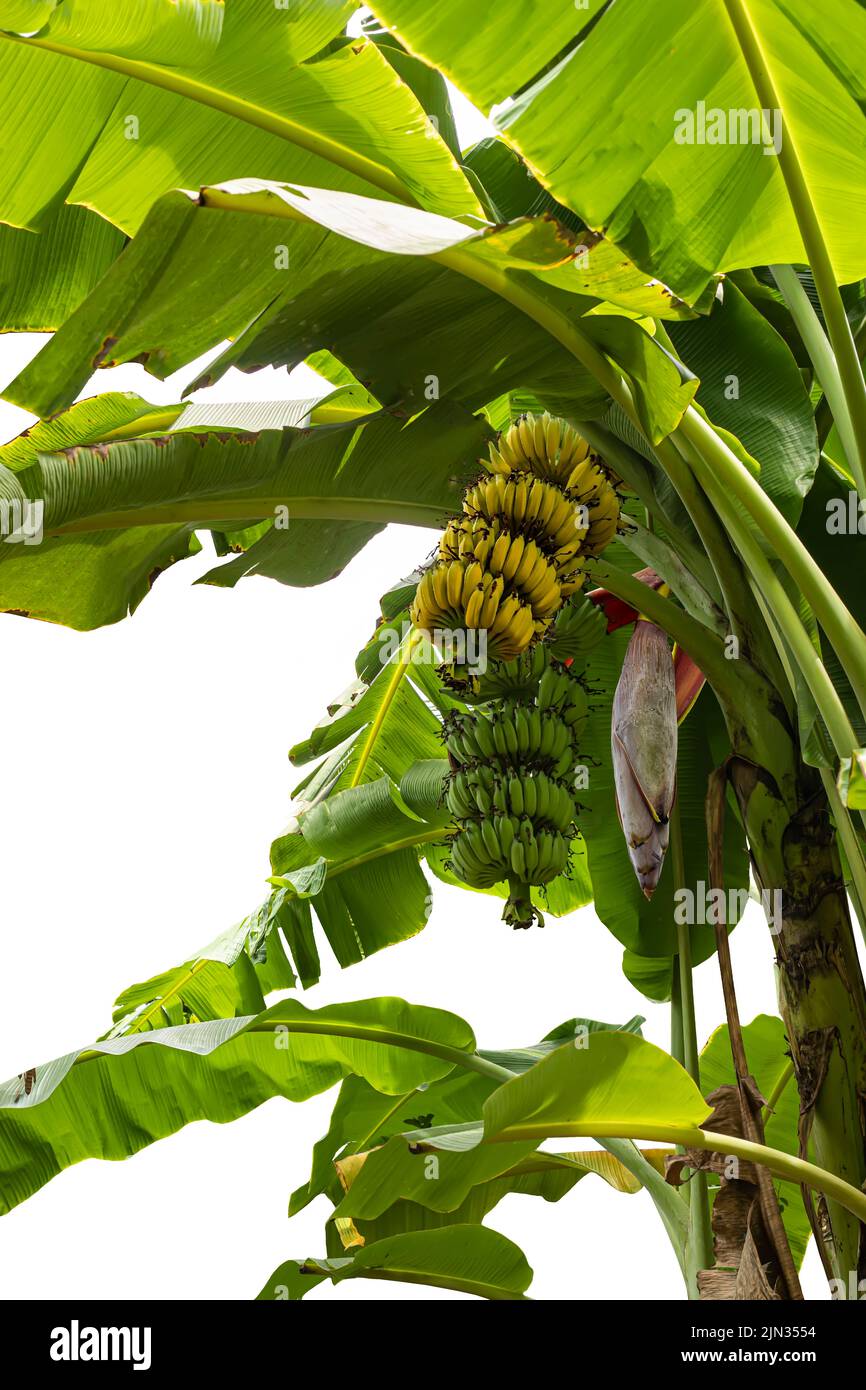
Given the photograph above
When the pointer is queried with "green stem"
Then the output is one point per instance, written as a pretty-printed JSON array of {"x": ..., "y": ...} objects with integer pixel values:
[
  {"x": 727, "y": 565},
  {"x": 388, "y": 1038},
  {"x": 823, "y": 414},
  {"x": 820, "y": 354},
  {"x": 778, "y": 1090},
  {"x": 785, "y": 616},
  {"x": 691, "y": 1056},
  {"x": 784, "y": 1165},
  {"x": 817, "y": 253},
  {"x": 664, "y": 1197},
  {"x": 701, "y": 1255},
  {"x": 678, "y": 1047},
  {"x": 715, "y": 463},
  {"x": 722, "y": 558},
  {"x": 852, "y": 845}
]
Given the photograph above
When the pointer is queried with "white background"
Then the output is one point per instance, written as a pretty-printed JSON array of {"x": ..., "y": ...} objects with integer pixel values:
[{"x": 144, "y": 776}]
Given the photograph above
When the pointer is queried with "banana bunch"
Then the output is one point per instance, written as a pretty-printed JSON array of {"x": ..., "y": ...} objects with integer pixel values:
[
  {"x": 550, "y": 449},
  {"x": 506, "y": 565},
  {"x": 456, "y": 595},
  {"x": 532, "y": 857},
  {"x": 509, "y": 790},
  {"x": 512, "y": 733},
  {"x": 516, "y": 679},
  {"x": 484, "y": 791}
]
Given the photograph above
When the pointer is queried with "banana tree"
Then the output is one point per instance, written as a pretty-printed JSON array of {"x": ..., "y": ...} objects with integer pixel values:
[{"x": 685, "y": 291}]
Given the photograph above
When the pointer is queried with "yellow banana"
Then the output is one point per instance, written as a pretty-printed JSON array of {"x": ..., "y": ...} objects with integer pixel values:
[
  {"x": 554, "y": 435},
  {"x": 499, "y": 553},
  {"x": 534, "y": 499},
  {"x": 516, "y": 547},
  {"x": 526, "y": 434},
  {"x": 491, "y": 603},
  {"x": 440, "y": 586},
  {"x": 497, "y": 463},
  {"x": 527, "y": 564},
  {"x": 472, "y": 610},
  {"x": 471, "y": 581},
  {"x": 455, "y": 585}
]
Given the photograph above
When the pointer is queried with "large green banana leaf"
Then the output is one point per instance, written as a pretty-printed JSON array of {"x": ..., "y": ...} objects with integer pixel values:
[
  {"x": 605, "y": 126},
  {"x": 295, "y": 291},
  {"x": 395, "y": 1173},
  {"x": 751, "y": 386},
  {"x": 618, "y": 1082},
  {"x": 363, "y": 1118},
  {"x": 113, "y": 1098},
  {"x": 43, "y": 278},
  {"x": 118, "y": 511},
  {"x": 88, "y": 1103},
  {"x": 115, "y": 103}
]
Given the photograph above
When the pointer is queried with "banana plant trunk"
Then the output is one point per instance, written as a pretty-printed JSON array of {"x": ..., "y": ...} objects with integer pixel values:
[{"x": 821, "y": 991}]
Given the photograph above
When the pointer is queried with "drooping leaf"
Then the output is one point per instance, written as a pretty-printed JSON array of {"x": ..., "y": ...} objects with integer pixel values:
[
  {"x": 363, "y": 1118},
  {"x": 113, "y": 1098},
  {"x": 115, "y": 513},
  {"x": 366, "y": 847},
  {"x": 300, "y": 291},
  {"x": 469, "y": 1259}
]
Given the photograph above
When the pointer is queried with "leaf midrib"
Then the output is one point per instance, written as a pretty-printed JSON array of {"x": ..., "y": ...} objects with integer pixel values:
[
  {"x": 181, "y": 84},
  {"x": 204, "y": 511}
]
